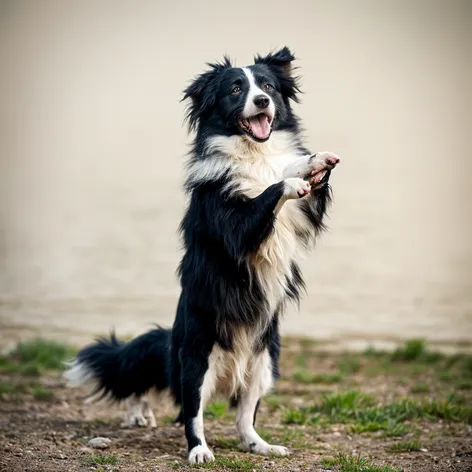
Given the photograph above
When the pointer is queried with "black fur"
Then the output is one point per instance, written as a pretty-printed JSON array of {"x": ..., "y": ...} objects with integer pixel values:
[{"x": 221, "y": 231}]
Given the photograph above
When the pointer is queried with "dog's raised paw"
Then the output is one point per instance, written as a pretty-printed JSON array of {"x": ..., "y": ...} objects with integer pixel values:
[
  {"x": 296, "y": 188},
  {"x": 200, "y": 454}
]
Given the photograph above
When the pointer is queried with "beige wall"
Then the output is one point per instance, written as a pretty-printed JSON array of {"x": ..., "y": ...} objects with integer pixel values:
[{"x": 92, "y": 145}]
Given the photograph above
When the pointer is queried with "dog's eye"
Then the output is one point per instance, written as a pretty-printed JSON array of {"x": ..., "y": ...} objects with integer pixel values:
[
  {"x": 236, "y": 90},
  {"x": 269, "y": 87}
]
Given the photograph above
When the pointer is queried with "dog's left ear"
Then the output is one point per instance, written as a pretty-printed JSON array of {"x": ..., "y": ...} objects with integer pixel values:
[
  {"x": 281, "y": 59},
  {"x": 280, "y": 64},
  {"x": 202, "y": 93}
]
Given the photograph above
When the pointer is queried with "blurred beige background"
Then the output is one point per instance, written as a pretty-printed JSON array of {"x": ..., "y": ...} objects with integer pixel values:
[{"x": 92, "y": 147}]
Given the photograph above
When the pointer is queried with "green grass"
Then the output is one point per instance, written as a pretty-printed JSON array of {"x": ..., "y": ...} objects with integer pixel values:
[
  {"x": 349, "y": 365},
  {"x": 306, "y": 377},
  {"x": 420, "y": 388},
  {"x": 220, "y": 463},
  {"x": 415, "y": 350},
  {"x": 405, "y": 446},
  {"x": 226, "y": 443},
  {"x": 294, "y": 417},
  {"x": 464, "y": 384},
  {"x": 273, "y": 401},
  {"x": 42, "y": 394},
  {"x": 348, "y": 463},
  {"x": 35, "y": 356},
  {"x": 365, "y": 414},
  {"x": 215, "y": 410},
  {"x": 98, "y": 459},
  {"x": 286, "y": 437}
]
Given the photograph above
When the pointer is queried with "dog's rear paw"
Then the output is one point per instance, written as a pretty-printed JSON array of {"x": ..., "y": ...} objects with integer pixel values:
[
  {"x": 200, "y": 454},
  {"x": 279, "y": 451},
  {"x": 135, "y": 420},
  {"x": 264, "y": 449}
]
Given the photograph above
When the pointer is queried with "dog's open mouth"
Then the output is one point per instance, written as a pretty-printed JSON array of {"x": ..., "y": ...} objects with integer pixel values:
[{"x": 258, "y": 127}]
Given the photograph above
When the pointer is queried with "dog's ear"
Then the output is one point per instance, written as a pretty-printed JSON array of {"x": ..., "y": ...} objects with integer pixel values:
[
  {"x": 281, "y": 59},
  {"x": 280, "y": 63},
  {"x": 202, "y": 92}
]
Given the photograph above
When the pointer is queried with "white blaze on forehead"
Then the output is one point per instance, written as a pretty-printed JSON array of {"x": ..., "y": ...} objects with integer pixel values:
[{"x": 254, "y": 90}]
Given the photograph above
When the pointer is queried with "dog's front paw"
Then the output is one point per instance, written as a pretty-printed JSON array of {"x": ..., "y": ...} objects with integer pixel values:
[
  {"x": 296, "y": 188},
  {"x": 200, "y": 454},
  {"x": 319, "y": 164}
]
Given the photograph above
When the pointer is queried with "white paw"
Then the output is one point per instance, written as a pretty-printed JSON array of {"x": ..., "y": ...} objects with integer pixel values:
[
  {"x": 134, "y": 420},
  {"x": 279, "y": 451},
  {"x": 296, "y": 188},
  {"x": 200, "y": 454},
  {"x": 264, "y": 449}
]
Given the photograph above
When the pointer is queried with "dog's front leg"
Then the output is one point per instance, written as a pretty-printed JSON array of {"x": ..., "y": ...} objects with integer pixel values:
[
  {"x": 312, "y": 167},
  {"x": 196, "y": 389}
]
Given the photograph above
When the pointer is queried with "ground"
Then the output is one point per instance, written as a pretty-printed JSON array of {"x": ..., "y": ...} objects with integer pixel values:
[{"x": 374, "y": 411}]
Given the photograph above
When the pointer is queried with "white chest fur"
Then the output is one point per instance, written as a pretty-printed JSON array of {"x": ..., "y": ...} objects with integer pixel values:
[{"x": 254, "y": 167}]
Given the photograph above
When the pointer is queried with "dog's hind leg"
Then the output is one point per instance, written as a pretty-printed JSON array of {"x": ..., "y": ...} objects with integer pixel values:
[
  {"x": 135, "y": 415},
  {"x": 261, "y": 381},
  {"x": 148, "y": 413}
]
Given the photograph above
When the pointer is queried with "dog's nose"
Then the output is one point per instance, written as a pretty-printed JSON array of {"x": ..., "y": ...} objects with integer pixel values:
[{"x": 261, "y": 101}]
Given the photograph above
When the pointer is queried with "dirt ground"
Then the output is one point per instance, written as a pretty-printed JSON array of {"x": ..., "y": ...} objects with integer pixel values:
[{"x": 46, "y": 427}]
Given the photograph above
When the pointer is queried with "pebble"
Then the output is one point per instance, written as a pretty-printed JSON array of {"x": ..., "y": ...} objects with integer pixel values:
[{"x": 99, "y": 443}]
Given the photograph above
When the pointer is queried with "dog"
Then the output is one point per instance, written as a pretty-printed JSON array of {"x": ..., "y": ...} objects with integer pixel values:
[{"x": 257, "y": 201}]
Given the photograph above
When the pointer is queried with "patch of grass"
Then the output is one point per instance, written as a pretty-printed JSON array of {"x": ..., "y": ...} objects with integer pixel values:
[
  {"x": 307, "y": 342},
  {"x": 98, "y": 459},
  {"x": 349, "y": 365},
  {"x": 294, "y": 417},
  {"x": 287, "y": 436},
  {"x": 366, "y": 415},
  {"x": 339, "y": 406},
  {"x": 306, "y": 377},
  {"x": 464, "y": 384},
  {"x": 405, "y": 446},
  {"x": 6, "y": 387},
  {"x": 221, "y": 463},
  {"x": 34, "y": 356},
  {"x": 215, "y": 410},
  {"x": 300, "y": 361},
  {"x": 348, "y": 463},
  {"x": 445, "y": 375},
  {"x": 394, "y": 430},
  {"x": 328, "y": 462},
  {"x": 274, "y": 402},
  {"x": 420, "y": 388},
  {"x": 42, "y": 394},
  {"x": 415, "y": 350},
  {"x": 226, "y": 443}
]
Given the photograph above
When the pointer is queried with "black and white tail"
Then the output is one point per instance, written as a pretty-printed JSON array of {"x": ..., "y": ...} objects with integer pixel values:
[{"x": 119, "y": 371}]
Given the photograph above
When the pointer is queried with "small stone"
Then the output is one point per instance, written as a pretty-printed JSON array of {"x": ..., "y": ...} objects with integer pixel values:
[
  {"x": 337, "y": 434},
  {"x": 423, "y": 449},
  {"x": 99, "y": 443}
]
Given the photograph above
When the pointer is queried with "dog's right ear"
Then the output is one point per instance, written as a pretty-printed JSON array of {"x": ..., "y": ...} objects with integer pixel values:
[{"x": 202, "y": 92}]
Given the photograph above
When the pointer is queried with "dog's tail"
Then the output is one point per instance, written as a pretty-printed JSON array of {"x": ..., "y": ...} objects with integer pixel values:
[{"x": 116, "y": 370}]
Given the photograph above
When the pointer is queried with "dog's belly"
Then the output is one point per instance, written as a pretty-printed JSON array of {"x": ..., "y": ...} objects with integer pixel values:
[{"x": 232, "y": 372}]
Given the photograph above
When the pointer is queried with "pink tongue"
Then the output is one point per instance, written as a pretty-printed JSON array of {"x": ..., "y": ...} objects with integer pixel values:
[{"x": 260, "y": 126}]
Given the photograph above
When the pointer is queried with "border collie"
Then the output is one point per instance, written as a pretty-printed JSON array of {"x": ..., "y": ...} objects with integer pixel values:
[{"x": 257, "y": 202}]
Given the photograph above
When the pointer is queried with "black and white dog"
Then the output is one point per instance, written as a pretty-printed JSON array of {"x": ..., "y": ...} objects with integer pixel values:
[{"x": 257, "y": 201}]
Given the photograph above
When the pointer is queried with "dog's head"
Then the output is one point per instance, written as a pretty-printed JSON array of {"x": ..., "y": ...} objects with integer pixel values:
[{"x": 249, "y": 101}]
